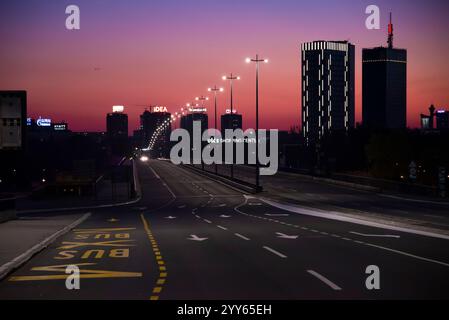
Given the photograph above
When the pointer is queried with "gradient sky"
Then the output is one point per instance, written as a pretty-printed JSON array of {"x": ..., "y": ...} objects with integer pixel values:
[{"x": 167, "y": 52}]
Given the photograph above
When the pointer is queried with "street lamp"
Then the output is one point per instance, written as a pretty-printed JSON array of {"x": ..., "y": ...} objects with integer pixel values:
[
  {"x": 202, "y": 99},
  {"x": 231, "y": 79},
  {"x": 257, "y": 60},
  {"x": 215, "y": 90}
]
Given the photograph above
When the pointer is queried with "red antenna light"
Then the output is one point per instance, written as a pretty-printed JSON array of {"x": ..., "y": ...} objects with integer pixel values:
[{"x": 390, "y": 33}]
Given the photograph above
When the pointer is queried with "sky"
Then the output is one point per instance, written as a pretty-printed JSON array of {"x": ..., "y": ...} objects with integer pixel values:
[{"x": 167, "y": 52}]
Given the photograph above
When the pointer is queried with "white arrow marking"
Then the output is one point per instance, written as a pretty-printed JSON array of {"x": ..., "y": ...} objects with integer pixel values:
[
  {"x": 170, "y": 217},
  {"x": 194, "y": 237},
  {"x": 277, "y": 215},
  {"x": 376, "y": 235},
  {"x": 225, "y": 216},
  {"x": 284, "y": 236}
]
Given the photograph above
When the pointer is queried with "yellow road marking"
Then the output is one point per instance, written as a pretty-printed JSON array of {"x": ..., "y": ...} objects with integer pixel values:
[
  {"x": 84, "y": 273},
  {"x": 99, "y": 230},
  {"x": 160, "y": 282},
  {"x": 111, "y": 243}
]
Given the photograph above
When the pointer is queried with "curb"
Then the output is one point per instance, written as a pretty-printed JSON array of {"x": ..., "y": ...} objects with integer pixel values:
[{"x": 8, "y": 267}]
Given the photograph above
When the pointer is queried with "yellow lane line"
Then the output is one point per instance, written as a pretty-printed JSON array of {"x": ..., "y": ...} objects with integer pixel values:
[{"x": 157, "y": 289}]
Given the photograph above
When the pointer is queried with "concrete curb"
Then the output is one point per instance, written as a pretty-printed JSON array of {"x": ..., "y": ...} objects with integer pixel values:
[
  {"x": 356, "y": 219},
  {"x": 8, "y": 267}
]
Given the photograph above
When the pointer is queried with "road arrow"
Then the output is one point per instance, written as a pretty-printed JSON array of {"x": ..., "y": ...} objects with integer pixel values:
[
  {"x": 284, "y": 236},
  {"x": 225, "y": 216},
  {"x": 277, "y": 215},
  {"x": 194, "y": 237},
  {"x": 170, "y": 217}
]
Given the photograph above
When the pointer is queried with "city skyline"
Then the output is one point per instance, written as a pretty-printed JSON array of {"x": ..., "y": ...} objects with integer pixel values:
[{"x": 127, "y": 62}]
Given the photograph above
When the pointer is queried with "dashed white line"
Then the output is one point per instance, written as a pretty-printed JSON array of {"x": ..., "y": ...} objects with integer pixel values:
[
  {"x": 222, "y": 228},
  {"x": 324, "y": 279},
  {"x": 283, "y": 256},
  {"x": 208, "y": 221},
  {"x": 242, "y": 236}
]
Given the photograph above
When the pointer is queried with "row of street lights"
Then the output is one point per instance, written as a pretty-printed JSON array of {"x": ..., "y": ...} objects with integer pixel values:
[{"x": 231, "y": 77}]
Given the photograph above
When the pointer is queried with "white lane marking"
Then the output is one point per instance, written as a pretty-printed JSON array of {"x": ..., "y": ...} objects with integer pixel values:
[
  {"x": 242, "y": 236},
  {"x": 225, "y": 216},
  {"x": 170, "y": 217},
  {"x": 408, "y": 254},
  {"x": 375, "y": 235},
  {"x": 331, "y": 216},
  {"x": 222, "y": 228},
  {"x": 324, "y": 279},
  {"x": 255, "y": 204},
  {"x": 284, "y": 236},
  {"x": 182, "y": 206},
  {"x": 194, "y": 237},
  {"x": 155, "y": 174},
  {"x": 208, "y": 221},
  {"x": 283, "y": 256}
]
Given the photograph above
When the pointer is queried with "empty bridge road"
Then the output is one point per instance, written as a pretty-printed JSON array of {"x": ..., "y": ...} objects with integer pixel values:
[{"x": 190, "y": 237}]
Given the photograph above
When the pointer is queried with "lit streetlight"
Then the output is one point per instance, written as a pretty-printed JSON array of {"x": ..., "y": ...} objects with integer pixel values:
[
  {"x": 257, "y": 61},
  {"x": 215, "y": 90}
]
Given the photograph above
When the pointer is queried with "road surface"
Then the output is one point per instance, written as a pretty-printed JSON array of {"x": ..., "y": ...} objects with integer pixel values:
[{"x": 193, "y": 238}]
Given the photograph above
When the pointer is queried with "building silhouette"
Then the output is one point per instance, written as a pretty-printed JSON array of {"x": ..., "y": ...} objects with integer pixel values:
[
  {"x": 436, "y": 119},
  {"x": 150, "y": 121},
  {"x": 13, "y": 116},
  {"x": 230, "y": 121},
  {"x": 117, "y": 132},
  {"x": 327, "y": 69},
  {"x": 384, "y": 86}
]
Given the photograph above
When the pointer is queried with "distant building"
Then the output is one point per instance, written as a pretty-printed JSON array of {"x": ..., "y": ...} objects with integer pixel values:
[
  {"x": 436, "y": 119},
  {"x": 117, "y": 131},
  {"x": 384, "y": 86},
  {"x": 150, "y": 121},
  {"x": 13, "y": 119},
  {"x": 187, "y": 121},
  {"x": 231, "y": 121},
  {"x": 327, "y": 88}
]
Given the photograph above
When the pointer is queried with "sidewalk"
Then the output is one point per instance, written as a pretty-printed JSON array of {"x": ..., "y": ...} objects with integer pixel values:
[{"x": 22, "y": 238}]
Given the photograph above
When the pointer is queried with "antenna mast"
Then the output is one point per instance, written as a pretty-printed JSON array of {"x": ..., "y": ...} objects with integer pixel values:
[{"x": 390, "y": 33}]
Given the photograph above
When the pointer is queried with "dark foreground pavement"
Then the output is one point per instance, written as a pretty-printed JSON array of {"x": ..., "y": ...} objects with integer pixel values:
[{"x": 193, "y": 238}]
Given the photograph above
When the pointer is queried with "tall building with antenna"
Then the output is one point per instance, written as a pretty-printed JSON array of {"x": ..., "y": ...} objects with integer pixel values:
[{"x": 384, "y": 86}]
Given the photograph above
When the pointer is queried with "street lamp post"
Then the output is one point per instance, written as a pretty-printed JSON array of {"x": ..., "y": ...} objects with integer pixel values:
[
  {"x": 231, "y": 79},
  {"x": 257, "y": 60},
  {"x": 202, "y": 99},
  {"x": 215, "y": 90}
]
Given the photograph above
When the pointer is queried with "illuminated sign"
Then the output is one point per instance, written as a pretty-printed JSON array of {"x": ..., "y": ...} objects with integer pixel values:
[
  {"x": 160, "y": 109},
  {"x": 228, "y": 111},
  {"x": 118, "y": 108},
  {"x": 43, "y": 122},
  {"x": 60, "y": 126},
  {"x": 29, "y": 121},
  {"x": 197, "y": 109}
]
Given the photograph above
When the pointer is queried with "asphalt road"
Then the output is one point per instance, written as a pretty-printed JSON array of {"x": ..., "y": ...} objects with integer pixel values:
[{"x": 192, "y": 238}]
